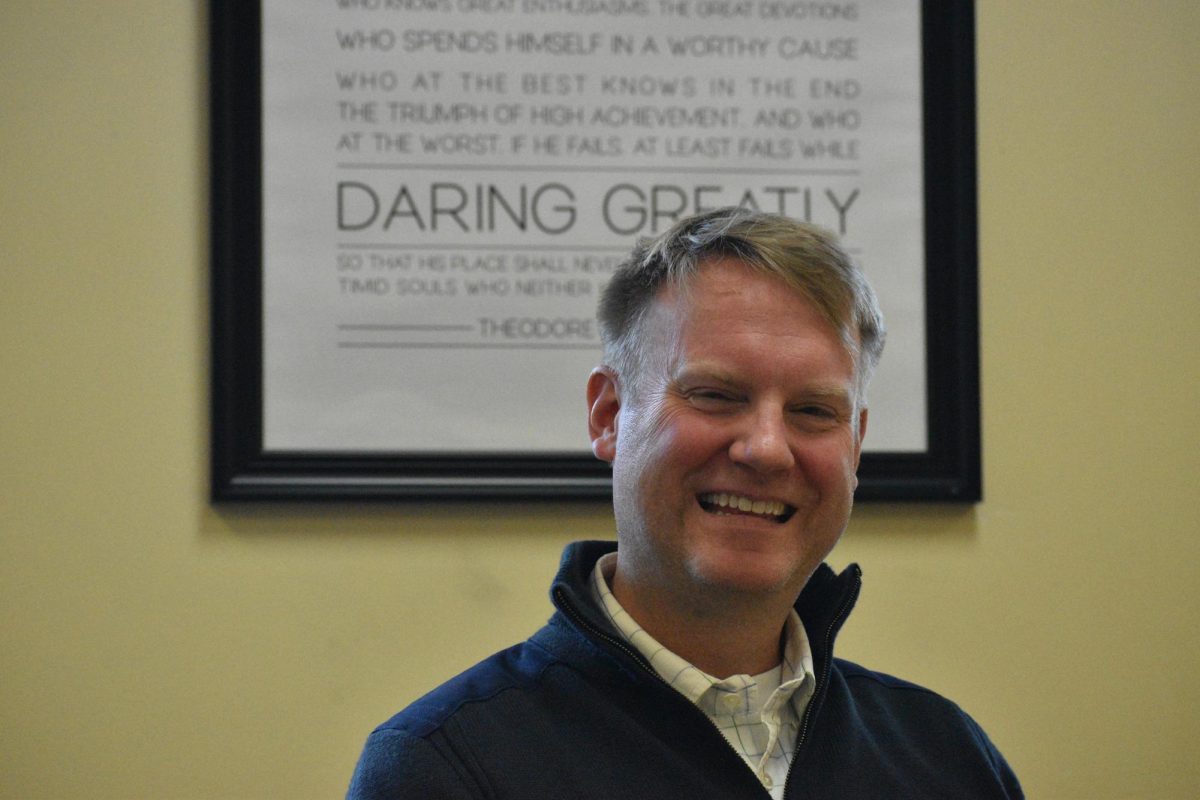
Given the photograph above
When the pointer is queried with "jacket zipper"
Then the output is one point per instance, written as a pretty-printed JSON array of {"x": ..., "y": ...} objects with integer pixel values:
[
  {"x": 569, "y": 610},
  {"x": 822, "y": 682}
]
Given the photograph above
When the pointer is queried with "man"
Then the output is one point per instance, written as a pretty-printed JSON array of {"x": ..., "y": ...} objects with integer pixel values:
[{"x": 694, "y": 658}]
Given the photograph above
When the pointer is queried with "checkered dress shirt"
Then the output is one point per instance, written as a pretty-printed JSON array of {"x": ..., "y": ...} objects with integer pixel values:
[{"x": 758, "y": 714}]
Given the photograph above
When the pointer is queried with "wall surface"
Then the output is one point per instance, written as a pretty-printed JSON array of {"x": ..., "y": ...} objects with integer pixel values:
[{"x": 154, "y": 646}]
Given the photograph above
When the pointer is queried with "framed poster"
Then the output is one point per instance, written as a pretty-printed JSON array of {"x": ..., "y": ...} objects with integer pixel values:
[{"x": 415, "y": 204}]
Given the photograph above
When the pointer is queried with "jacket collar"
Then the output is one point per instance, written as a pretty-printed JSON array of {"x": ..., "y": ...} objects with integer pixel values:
[{"x": 823, "y": 605}]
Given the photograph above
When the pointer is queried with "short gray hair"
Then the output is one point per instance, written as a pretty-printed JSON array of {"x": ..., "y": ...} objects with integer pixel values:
[{"x": 807, "y": 258}]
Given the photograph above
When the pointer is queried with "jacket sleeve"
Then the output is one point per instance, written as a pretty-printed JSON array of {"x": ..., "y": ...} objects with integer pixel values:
[
  {"x": 395, "y": 765},
  {"x": 1005, "y": 777}
]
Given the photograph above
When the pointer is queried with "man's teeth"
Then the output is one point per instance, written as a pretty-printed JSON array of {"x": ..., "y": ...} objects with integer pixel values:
[{"x": 772, "y": 508}]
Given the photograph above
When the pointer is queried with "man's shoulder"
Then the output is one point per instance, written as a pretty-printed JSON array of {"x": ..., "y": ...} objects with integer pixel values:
[
  {"x": 868, "y": 685},
  {"x": 895, "y": 708},
  {"x": 538, "y": 696},
  {"x": 875, "y": 735},
  {"x": 518, "y": 667},
  {"x": 853, "y": 671}
]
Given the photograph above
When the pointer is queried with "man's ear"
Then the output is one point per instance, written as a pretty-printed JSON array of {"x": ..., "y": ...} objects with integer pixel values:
[
  {"x": 604, "y": 405},
  {"x": 862, "y": 434}
]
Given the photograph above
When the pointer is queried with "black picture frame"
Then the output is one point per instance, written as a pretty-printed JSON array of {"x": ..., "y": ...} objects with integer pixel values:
[{"x": 241, "y": 470}]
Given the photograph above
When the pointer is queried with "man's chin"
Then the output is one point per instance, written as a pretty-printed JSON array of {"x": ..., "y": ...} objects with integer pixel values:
[{"x": 749, "y": 578}]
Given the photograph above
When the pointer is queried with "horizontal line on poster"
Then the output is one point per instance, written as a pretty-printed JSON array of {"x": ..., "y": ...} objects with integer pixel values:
[
  {"x": 638, "y": 169},
  {"x": 461, "y": 346},
  {"x": 546, "y": 248},
  {"x": 561, "y": 248},
  {"x": 413, "y": 327}
]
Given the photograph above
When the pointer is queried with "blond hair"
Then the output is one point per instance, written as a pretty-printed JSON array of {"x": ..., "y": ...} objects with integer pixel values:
[{"x": 805, "y": 257}]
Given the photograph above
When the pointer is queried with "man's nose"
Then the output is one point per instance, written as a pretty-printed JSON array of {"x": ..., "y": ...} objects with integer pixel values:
[{"x": 762, "y": 442}]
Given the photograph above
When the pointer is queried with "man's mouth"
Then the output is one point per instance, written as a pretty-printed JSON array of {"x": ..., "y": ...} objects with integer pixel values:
[{"x": 725, "y": 503}]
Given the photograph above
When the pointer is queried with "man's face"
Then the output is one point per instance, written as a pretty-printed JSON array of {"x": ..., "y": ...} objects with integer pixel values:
[{"x": 734, "y": 464}]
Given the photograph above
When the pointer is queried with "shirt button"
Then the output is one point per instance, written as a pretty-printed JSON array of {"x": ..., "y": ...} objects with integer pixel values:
[{"x": 731, "y": 702}]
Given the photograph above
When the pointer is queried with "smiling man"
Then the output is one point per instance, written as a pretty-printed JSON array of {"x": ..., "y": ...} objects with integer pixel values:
[{"x": 693, "y": 658}]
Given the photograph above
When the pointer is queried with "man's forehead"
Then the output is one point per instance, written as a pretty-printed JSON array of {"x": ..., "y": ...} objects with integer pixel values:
[{"x": 715, "y": 292}]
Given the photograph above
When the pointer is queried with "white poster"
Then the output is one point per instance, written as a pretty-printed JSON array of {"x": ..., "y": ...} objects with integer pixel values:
[{"x": 447, "y": 185}]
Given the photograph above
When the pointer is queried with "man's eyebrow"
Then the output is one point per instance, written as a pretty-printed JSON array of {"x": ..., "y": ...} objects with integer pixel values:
[
  {"x": 705, "y": 372},
  {"x": 826, "y": 392}
]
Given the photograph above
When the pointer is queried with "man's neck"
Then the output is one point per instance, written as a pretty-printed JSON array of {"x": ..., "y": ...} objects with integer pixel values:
[{"x": 727, "y": 635}]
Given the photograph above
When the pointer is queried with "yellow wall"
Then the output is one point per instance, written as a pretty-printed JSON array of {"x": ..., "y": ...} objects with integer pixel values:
[{"x": 153, "y": 646}]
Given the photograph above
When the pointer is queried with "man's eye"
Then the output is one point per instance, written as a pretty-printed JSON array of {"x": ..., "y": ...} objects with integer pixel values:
[
  {"x": 711, "y": 397},
  {"x": 821, "y": 412}
]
